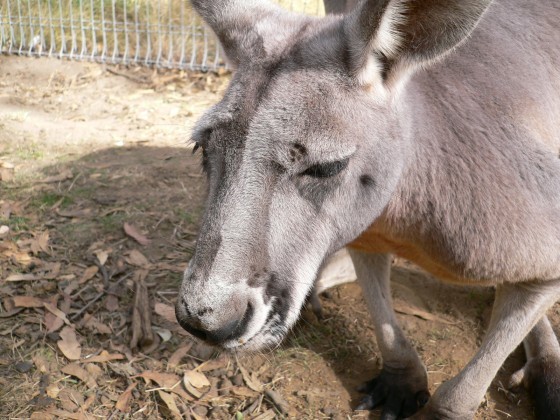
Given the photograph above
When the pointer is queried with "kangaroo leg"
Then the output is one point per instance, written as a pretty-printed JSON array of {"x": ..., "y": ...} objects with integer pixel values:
[
  {"x": 402, "y": 385},
  {"x": 517, "y": 309},
  {"x": 541, "y": 373}
]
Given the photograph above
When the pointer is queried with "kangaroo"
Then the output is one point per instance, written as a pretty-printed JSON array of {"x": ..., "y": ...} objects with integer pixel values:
[{"x": 427, "y": 129}]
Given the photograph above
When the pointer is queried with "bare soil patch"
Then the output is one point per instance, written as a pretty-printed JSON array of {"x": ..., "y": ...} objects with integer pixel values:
[{"x": 86, "y": 322}]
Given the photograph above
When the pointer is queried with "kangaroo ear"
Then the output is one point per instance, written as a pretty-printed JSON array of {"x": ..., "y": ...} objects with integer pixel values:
[
  {"x": 247, "y": 29},
  {"x": 388, "y": 39}
]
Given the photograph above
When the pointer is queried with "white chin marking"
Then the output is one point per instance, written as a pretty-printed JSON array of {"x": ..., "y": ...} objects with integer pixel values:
[
  {"x": 260, "y": 341},
  {"x": 263, "y": 333},
  {"x": 263, "y": 337}
]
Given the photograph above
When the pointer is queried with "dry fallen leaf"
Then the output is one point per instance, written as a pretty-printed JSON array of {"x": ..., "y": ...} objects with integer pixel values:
[
  {"x": 165, "y": 311},
  {"x": 41, "y": 415},
  {"x": 23, "y": 277},
  {"x": 52, "y": 390},
  {"x": 192, "y": 390},
  {"x": 267, "y": 415},
  {"x": 53, "y": 270},
  {"x": 123, "y": 403},
  {"x": 196, "y": 416},
  {"x": 27, "y": 302},
  {"x": 196, "y": 379},
  {"x": 112, "y": 303},
  {"x": 169, "y": 401},
  {"x": 132, "y": 231},
  {"x": 40, "y": 243},
  {"x": 58, "y": 313},
  {"x": 177, "y": 355},
  {"x": 64, "y": 414},
  {"x": 103, "y": 357},
  {"x": 52, "y": 322},
  {"x": 62, "y": 176},
  {"x": 88, "y": 274},
  {"x": 41, "y": 363},
  {"x": 94, "y": 370},
  {"x": 90, "y": 400},
  {"x": 70, "y": 399},
  {"x": 220, "y": 362},
  {"x": 165, "y": 380},
  {"x": 4, "y": 230},
  {"x": 102, "y": 256},
  {"x": 74, "y": 369},
  {"x": 6, "y": 174},
  {"x": 89, "y": 321},
  {"x": 22, "y": 258},
  {"x": 168, "y": 381},
  {"x": 241, "y": 391},
  {"x": 10, "y": 313},
  {"x": 5, "y": 210},
  {"x": 251, "y": 380},
  {"x": 164, "y": 333},
  {"x": 68, "y": 344},
  {"x": 406, "y": 309},
  {"x": 137, "y": 259}
]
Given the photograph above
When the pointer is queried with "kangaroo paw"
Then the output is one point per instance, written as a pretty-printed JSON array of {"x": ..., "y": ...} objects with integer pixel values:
[
  {"x": 541, "y": 375},
  {"x": 402, "y": 393}
]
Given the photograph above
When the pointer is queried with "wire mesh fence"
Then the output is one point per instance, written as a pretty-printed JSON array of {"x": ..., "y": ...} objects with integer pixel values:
[{"x": 162, "y": 33}]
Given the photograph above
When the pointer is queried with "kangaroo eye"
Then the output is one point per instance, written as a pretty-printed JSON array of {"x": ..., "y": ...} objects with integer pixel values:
[
  {"x": 205, "y": 163},
  {"x": 326, "y": 170},
  {"x": 196, "y": 147}
]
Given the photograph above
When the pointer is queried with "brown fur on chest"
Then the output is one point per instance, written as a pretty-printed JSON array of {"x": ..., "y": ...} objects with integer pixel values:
[{"x": 373, "y": 240}]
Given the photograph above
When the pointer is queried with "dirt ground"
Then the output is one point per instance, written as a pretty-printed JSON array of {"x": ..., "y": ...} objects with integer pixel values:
[{"x": 100, "y": 199}]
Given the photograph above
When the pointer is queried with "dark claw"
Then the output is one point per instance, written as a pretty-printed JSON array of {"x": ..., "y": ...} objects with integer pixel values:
[
  {"x": 369, "y": 402},
  {"x": 402, "y": 394},
  {"x": 366, "y": 404},
  {"x": 392, "y": 408},
  {"x": 422, "y": 398}
]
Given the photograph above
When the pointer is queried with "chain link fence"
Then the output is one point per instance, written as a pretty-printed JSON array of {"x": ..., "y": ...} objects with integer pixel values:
[{"x": 161, "y": 33}]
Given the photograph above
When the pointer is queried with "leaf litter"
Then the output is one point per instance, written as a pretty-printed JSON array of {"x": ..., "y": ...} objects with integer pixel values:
[{"x": 81, "y": 279}]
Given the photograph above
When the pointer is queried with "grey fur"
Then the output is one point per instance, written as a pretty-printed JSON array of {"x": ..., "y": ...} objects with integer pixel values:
[{"x": 454, "y": 167}]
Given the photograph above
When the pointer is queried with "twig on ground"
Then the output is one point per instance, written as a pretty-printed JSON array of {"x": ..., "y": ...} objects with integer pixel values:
[
  {"x": 128, "y": 76},
  {"x": 73, "y": 182},
  {"x": 142, "y": 334},
  {"x": 104, "y": 273},
  {"x": 96, "y": 298},
  {"x": 254, "y": 408},
  {"x": 278, "y": 401}
]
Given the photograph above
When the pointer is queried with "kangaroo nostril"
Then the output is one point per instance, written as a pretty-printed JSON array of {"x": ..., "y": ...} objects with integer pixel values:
[
  {"x": 185, "y": 306},
  {"x": 205, "y": 311},
  {"x": 232, "y": 330},
  {"x": 248, "y": 312}
]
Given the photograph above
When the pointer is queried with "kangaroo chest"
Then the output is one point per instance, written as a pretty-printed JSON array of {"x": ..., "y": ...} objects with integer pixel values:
[{"x": 374, "y": 240}]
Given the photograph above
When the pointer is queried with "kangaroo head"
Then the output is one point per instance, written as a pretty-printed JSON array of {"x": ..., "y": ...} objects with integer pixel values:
[{"x": 303, "y": 153}]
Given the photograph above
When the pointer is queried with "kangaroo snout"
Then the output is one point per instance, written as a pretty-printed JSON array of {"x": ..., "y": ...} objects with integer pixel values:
[{"x": 215, "y": 321}]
